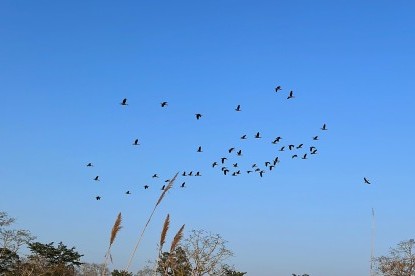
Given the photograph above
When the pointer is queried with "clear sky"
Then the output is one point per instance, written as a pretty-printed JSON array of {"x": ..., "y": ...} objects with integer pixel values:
[{"x": 65, "y": 66}]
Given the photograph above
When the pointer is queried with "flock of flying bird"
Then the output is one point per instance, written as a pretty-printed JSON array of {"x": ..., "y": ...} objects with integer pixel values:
[{"x": 233, "y": 169}]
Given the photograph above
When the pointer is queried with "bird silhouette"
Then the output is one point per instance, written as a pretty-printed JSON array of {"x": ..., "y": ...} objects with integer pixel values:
[
  {"x": 214, "y": 164},
  {"x": 146, "y": 187},
  {"x": 291, "y": 95},
  {"x": 304, "y": 156},
  {"x": 294, "y": 156},
  {"x": 167, "y": 180},
  {"x": 271, "y": 167},
  {"x": 257, "y": 135},
  {"x": 136, "y": 143},
  {"x": 198, "y": 174},
  {"x": 183, "y": 184},
  {"x": 124, "y": 102},
  {"x": 299, "y": 146},
  {"x": 234, "y": 174},
  {"x": 224, "y": 168},
  {"x": 162, "y": 188},
  {"x": 366, "y": 180},
  {"x": 324, "y": 127},
  {"x": 267, "y": 163},
  {"x": 98, "y": 198},
  {"x": 238, "y": 108},
  {"x": 223, "y": 159},
  {"x": 243, "y": 137},
  {"x": 261, "y": 173},
  {"x": 128, "y": 193},
  {"x": 230, "y": 150},
  {"x": 235, "y": 165},
  {"x": 190, "y": 173},
  {"x": 163, "y": 104},
  {"x": 89, "y": 164},
  {"x": 282, "y": 149},
  {"x": 290, "y": 147},
  {"x": 276, "y": 161},
  {"x": 314, "y": 151},
  {"x": 278, "y": 88},
  {"x": 248, "y": 171},
  {"x": 315, "y": 138},
  {"x": 239, "y": 153},
  {"x": 199, "y": 149},
  {"x": 96, "y": 178},
  {"x": 254, "y": 165},
  {"x": 184, "y": 174},
  {"x": 225, "y": 171},
  {"x": 198, "y": 116},
  {"x": 155, "y": 176},
  {"x": 312, "y": 148}
]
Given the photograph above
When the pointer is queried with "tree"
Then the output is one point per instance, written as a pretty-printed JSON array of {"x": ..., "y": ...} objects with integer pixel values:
[
  {"x": 46, "y": 259},
  {"x": 9, "y": 262},
  {"x": 92, "y": 269},
  {"x": 12, "y": 239},
  {"x": 228, "y": 271},
  {"x": 121, "y": 273},
  {"x": 399, "y": 262},
  {"x": 174, "y": 263},
  {"x": 206, "y": 252}
]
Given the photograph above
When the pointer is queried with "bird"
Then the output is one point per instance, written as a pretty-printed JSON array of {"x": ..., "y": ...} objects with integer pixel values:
[
  {"x": 254, "y": 165},
  {"x": 324, "y": 127},
  {"x": 214, "y": 164},
  {"x": 281, "y": 149},
  {"x": 146, "y": 187},
  {"x": 198, "y": 116},
  {"x": 299, "y": 146},
  {"x": 248, "y": 171},
  {"x": 290, "y": 147},
  {"x": 257, "y": 135},
  {"x": 198, "y": 174},
  {"x": 224, "y": 168},
  {"x": 183, "y": 184},
  {"x": 235, "y": 165},
  {"x": 278, "y": 88},
  {"x": 124, "y": 102},
  {"x": 276, "y": 140},
  {"x": 136, "y": 143},
  {"x": 276, "y": 161},
  {"x": 163, "y": 104},
  {"x": 128, "y": 193},
  {"x": 225, "y": 171},
  {"x": 230, "y": 150},
  {"x": 89, "y": 164},
  {"x": 238, "y": 108},
  {"x": 98, "y": 198},
  {"x": 239, "y": 153},
  {"x": 167, "y": 180},
  {"x": 190, "y": 173},
  {"x": 267, "y": 163},
  {"x": 155, "y": 176},
  {"x": 223, "y": 159},
  {"x": 366, "y": 181},
  {"x": 162, "y": 188},
  {"x": 243, "y": 137},
  {"x": 96, "y": 178},
  {"x": 199, "y": 149},
  {"x": 257, "y": 169},
  {"x": 184, "y": 174},
  {"x": 234, "y": 174},
  {"x": 294, "y": 156},
  {"x": 291, "y": 95},
  {"x": 261, "y": 173},
  {"x": 314, "y": 151},
  {"x": 315, "y": 138},
  {"x": 312, "y": 148},
  {"x": 304, "y": 156}
]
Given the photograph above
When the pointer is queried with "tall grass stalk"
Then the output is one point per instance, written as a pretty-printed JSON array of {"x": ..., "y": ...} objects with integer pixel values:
[
  {"x": 115, "y": 229},
  {"x": 168, "y": 187}
]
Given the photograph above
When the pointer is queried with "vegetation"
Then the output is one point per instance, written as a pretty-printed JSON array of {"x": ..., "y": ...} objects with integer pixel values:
[{"x": 399, "y": 262}]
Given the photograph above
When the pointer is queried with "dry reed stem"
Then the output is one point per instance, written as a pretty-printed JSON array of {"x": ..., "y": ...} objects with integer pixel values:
[
  {"x": 176, "y": 240},
  {"x": 164, "y": 231},
  {"x": 115, "y": 229},
  {"x": 169, "y": 186}
]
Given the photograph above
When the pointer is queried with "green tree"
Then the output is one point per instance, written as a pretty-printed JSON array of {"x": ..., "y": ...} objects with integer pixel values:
[
  {"x": 175, "y": 263},
  {"x": 121, "y": 273},
  {"x": 228, "y": 271},
  {"x": 9, "y": 262},
  {"x": 48, "y": 260},
  {"x": 400, "y": 261}
]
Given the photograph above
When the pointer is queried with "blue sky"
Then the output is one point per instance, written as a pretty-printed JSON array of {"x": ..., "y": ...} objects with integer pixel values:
[{"x": 65, "y": 66}]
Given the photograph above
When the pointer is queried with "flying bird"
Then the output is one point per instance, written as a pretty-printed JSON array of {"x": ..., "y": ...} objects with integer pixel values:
[
  {"x": 235, "y": 165},
  {"x": 136, "y": 143},
  {"x": 184, "y": 174},
  {"x": 243, "y": 137},
  {"x": 261, "y": 173},
  {"x": 312, "y": 148},
  {"x": 314, "y": 151},
  {"x": 267, "y": 163},
  {"x": 128, "y": 193},
  {"x": 155, "y": 176},
  {"x": 276, "y": 161},
  {"x": 304, "y": 156},
  {"x": 183, "y": 184},
  {"x": 98, "y": 198},
  {"x": 124, "y": 102},
  {"x": 214, "y": 164},
  {"x": 315, "y": 138},
  {"x": 190, "y": 173},
  {"x": 96, "y": 178},
  {"x": 238, "y": 108},
  {"x": 271, "y": 167},
  {"x": 278, "y": 88},
  {"x": 257, "y": 135},
  {"x": 239, "y": 153},
  {"x": 291, "y": 95},
  {"x": 324, "y": 127},
  {"x": 199, "y": 149},
  {"x": 223, "y": 159},
  {"x": 198, "y": 174},
  {"x": 163, "y": 104},
  {"x": 146, "y": 187},
  {"x": 366, "y": 181},
  {"x": 248, "y": 171},
  {"x": 299, "y": 146},
  {"x": 198, "y": 116},
  {"x": 281, "y": 149},
  {"x": 225, "y": 171},
  {"x": 230, "y": 150},
  {"x": 89, "y": 165},
  {"x": 294, "y": 156},
  {"x": 290, "y": 147},
  {"x": 162, "y": 188}
]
